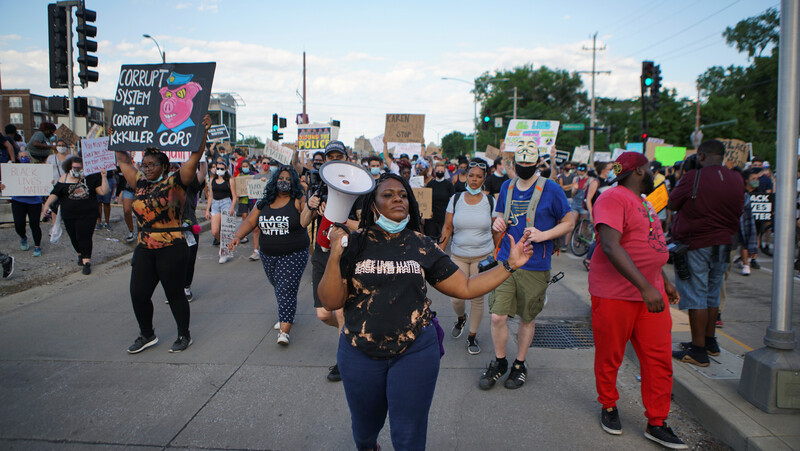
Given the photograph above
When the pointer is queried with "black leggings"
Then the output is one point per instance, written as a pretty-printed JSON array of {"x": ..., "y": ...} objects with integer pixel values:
[
  {"x": 192, "y": 259},
  {"x": 168, "y": 266},
  {"x": 81, "y": 231},
  {"x": 34, "y": 212}
]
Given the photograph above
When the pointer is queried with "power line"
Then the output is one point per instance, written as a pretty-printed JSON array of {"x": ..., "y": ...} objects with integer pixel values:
[
  {"x": 697, "y": 41},
  {"x": 648, "y": 25}
]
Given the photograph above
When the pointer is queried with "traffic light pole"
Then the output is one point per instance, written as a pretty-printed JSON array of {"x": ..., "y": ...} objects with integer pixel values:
[{"x": 70, "y": 67}]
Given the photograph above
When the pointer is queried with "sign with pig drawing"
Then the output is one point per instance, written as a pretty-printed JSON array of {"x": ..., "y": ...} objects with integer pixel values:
[{"x": 161, "y": 105}]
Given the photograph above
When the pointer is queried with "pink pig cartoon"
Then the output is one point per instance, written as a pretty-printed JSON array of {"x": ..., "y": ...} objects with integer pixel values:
[{"x": 177, "y": 104}]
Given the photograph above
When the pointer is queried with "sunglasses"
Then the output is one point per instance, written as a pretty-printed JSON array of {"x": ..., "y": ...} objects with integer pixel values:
[{"x": 474, "y": 164}]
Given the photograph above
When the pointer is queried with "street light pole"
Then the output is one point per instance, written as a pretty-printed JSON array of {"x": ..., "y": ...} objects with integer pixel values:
[
  {"x": 475, "y": 106},
  {"x": 163, "y": 54}
]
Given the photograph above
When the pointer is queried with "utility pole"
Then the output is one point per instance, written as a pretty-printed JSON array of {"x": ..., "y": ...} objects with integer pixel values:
[
  {"x": 594, "y": 50},
  {"x": 515, "y": 98},
  {"x": 697, "y": 135},
  {"x": 305, "y": 119}
]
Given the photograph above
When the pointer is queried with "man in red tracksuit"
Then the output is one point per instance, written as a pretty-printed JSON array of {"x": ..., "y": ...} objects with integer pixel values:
[{"x": 629, "y": 293}]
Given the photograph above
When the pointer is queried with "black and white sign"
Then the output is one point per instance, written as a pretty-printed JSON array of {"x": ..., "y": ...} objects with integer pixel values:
[
  {"x": 562, "y": 156},
  {"x": 218, "y": 132},
  {"x": 761, "y": 206},
  {"x": 161, "y": 105}
]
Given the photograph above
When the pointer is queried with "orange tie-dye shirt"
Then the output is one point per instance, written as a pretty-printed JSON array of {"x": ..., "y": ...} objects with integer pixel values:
[{"x": 159, "y": 206}]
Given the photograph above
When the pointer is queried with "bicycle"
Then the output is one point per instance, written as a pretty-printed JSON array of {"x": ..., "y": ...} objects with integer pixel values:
[
  {"x": 581, "y": 238},
  {"x": 767, "y": 235}
]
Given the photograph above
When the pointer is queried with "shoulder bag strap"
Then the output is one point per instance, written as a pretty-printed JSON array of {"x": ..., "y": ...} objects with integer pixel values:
[
  {"x": 509, "y": 195},
  {"x": 530, "y": 215}
]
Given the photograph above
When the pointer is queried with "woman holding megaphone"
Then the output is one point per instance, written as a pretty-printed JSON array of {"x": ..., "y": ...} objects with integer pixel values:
[
  {"x": 282, "y": 216},
  {"x": 389, "y": 348}
]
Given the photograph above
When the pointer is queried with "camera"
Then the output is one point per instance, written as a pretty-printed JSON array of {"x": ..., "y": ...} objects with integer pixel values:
[
  {"x": 316, "y": 187},
  {"x": 487, "y": 264},
  {"x": 680, "y": 260}
]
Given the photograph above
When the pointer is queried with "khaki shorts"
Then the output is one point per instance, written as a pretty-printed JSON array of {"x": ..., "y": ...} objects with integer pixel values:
[{"x": 521, "y": 294}]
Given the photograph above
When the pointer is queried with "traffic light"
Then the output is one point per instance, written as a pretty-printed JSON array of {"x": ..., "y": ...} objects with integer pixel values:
[
  {"x": 655, "y": 88},
  {"x": 85, "y": 45},
  {"x": 647, "y": 76},
  {"x": 276, "y": 135},
  {"x": 644, "y": 137},
  {"x": 57, "y": 33},
  {"x": 486, "y": 117}
]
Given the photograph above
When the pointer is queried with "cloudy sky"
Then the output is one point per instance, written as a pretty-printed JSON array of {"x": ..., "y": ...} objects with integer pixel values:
[{"x": 366, "y": 59}]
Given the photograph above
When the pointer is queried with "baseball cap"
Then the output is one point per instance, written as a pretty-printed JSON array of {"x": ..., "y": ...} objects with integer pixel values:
[
  {"x": 626, "y": 163},
  {"x": 335, "y": 146}
]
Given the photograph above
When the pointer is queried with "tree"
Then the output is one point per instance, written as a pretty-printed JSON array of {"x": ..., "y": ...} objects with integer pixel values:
[
  {"x": 754, "y": 34},
  {"x": 252, "y": 141},
  {"x": 455, "y": 144}
]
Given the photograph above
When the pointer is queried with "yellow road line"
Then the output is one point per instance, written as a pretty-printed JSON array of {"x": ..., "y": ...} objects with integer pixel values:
[
  {"x": 734, "y": 340},
  {"x": 680, "y": 323}
]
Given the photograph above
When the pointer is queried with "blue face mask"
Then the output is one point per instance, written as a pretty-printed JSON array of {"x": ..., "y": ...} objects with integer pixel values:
[
  {"x": 391, "y": 226},
  {"x": 504, "y": 171},
  {"x": 473, "y": 191},
  {"x": 245, "y": 170},
  {"x": 375, "y": 171},
  {"x": 160, "y": 178},
  {"x": 25, "y": 159}
]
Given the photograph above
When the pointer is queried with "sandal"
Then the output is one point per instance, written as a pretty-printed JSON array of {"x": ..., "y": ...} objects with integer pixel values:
[{"x": 586, "y": 264}]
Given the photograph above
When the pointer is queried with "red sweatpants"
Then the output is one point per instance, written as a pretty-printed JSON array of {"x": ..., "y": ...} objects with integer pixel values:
[{"x": 614, "y": 322}]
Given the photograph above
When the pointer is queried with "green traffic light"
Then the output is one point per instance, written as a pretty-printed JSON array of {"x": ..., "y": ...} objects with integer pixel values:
[
  {"x": 648, "y": 81},
  {"x": 486, "y": 119},
  {"x": 274, "y": 128}
]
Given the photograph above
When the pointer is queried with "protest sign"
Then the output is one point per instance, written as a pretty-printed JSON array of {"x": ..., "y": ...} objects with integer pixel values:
[
  {"x": 276, "y": 151},
  {"x": 581, "y": 155},
  {"x": 255, "y": 188},
  {"x": 635, "y": 147},
  {"x": 377, "y": 144},
  {"x": 96, "y": 156},
  {"x": 736, "y": 152},
  {"x": 313, "y": 137},
  {"x": 68, "y": 136},
  {"x": 650, "y": 148},
  {"x": 218, "y": 132},
  {"x": 404, "y": 128},
  {"x": 161, "y": 105},
  {"x": 23, "y": 179},
  {"x": 227, "y": 232},
  {"x": 667, "y": 156},
  {"x": 424, "y": 198},
  {"x": 602, "y": 156},
  {"x": 536, "y": 137},
  {"x": 409, "y": 149},
  {"x": 562, "y": 156},
  {"x": 761, "y": 206},
  {"x": 617, "y": 152},
  {"x": 417, "y": 181},
  {"x": 659, "y": 198},
  {"x": 174, "y": 157},
  {"x": 492, "y": 153},
  {"x": 95, "y": 131},
  {"x": 241, "y": 184}
]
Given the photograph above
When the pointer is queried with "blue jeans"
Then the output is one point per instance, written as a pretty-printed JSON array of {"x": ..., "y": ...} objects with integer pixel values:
[
  {"x": 402, "y": 385},
  {"x": 708, "y": 267}
]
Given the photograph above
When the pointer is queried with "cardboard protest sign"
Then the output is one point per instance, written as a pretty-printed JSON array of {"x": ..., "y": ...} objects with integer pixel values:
[
  {"x": 409, "y": 149},
  {"x": 174, "y": 157},
  {"x": 68, "y": 136},
  {"x": 313, "y": 137},
  {"x": 227, "y": 232},
  {"x": 667, "y": 156},
  {"x": 241, "y": 184},
  {"x": 96, "y": 156},
  {"x": 736, "y": 152},
  {"x": 635, "y": 147},
  {"x": 659, "y": 198},
  {"x": 218, "y": 132},
  {"x": 492, "y": 153},
  {"x": 424, "y": 198},
  {"x": 602, "y": 156},
  {"x": 404, "y": 128},
  {"x": 761, "y": 206},
  {"x": 562, "y": 156},
  {"x": 276, "y": 151},
  {"x": 26, "y": 179},
  {"x": 161, "y": 105},
  {"x": 650, "y": 148},
  {"x": 581, "y": 155},
  {"x": 255, "y": 188},
  {"x": 95, "y": 131},
  {"x": 535, "y": 136}
]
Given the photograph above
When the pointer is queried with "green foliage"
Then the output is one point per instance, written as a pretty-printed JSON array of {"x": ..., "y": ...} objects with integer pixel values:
[
  {"x": 754, "y": 34},
  {"x": 455, "y": 144},
  {"x": 252, "y": 141}
]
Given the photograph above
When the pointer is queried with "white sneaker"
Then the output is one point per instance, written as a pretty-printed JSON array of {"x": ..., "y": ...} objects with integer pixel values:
[
  {"x": 254, "y": 256},
  {"x": 283, "y": 338},
  {"x": 746, "y": 270},
  {"x": 225, "y": 259},
  {"x": 277, "y": 326}
]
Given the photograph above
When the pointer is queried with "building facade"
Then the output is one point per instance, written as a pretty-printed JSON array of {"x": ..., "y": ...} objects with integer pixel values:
[{"x": 25, "y": 110}]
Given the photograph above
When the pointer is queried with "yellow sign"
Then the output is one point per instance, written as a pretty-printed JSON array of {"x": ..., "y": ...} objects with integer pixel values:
[{"x": 659, "y": 198}]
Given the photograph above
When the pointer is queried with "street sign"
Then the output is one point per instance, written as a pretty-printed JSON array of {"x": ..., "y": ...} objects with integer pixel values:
[
  {"x": 573, "y": 127},
  {"x": 498, "y": 122}
]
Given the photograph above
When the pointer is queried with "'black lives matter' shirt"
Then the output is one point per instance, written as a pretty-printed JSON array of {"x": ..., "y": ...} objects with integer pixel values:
[{"x": 387, "y": 304}]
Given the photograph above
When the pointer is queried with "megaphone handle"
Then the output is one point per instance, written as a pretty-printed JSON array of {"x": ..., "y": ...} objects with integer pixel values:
[{"x": 345, "y": 240}]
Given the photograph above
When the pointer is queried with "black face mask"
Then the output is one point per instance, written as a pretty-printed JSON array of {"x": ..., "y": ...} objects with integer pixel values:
[
  {"x": 524, "y": 172},
  {"x": 439, "y": 175},
  {"x": 648, "y": 184},
  {"x": 317, "y": 165}
]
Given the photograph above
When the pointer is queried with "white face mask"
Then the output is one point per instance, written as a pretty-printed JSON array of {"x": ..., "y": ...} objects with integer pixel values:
[
  {"x": 61, "y": 149},
  {"x": 220, "y": 172}
]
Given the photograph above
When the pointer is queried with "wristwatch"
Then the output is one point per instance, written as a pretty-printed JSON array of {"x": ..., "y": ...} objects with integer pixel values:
[{"x": 508, "y": 267}]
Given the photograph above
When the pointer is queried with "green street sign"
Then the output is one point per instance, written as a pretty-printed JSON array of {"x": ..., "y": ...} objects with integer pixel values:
[{"x": 573, "y": 127}]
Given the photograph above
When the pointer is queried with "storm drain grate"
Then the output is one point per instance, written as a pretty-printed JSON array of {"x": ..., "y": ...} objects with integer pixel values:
[{"x": 562, "y": 336}]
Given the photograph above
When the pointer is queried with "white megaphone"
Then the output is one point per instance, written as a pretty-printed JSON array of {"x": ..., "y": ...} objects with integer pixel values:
[{"x": 346, "y": 181}]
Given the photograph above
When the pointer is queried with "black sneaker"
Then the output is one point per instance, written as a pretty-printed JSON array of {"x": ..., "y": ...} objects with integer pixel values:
[
  {"x": 517, "y": 376},
  {"x": 181, "y": 344},
  {"x": 472, "y": 345},
  {"x": 490, "y": 376},
  {"x": 87, "y": 268},
  {"x": 712, "y": 347},
  {"x": 692, "y": 355},
  {"x": 8, "y": 266},
  {"x": 664, "y": 436},
  {"x": 215, "y": 242},
  {"x": 609, "y": 421},
  {"x": 141, "y": 344},
  {"x": 458, "y": 327},
  {"x": 333, "y": 373},
  {"x": 80, "y": 261},
  {"x": 754, "y": 264}
]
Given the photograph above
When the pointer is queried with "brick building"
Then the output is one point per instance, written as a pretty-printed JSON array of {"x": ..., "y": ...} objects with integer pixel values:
[{"x": 25, "y": 110}]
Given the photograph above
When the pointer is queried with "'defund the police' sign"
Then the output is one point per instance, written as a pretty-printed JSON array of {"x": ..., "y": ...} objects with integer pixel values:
[{"x": 161, "y": 105}]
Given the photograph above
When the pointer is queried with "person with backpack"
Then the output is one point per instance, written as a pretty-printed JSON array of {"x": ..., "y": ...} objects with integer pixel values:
[
  {"x": 534, "y": 206},
  {"x": 471, "y": 231}
]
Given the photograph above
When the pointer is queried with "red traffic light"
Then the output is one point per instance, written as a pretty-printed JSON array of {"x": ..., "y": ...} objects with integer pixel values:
[{"x": 644, "y": 137}]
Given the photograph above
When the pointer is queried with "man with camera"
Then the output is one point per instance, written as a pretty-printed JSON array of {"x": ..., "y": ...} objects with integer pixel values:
[
  {"x": 532, "y": 204},
  {"x": 318, "y": 193},
  {"x": 629, "y": 292},
  {"x": 709, "y": 202}
]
